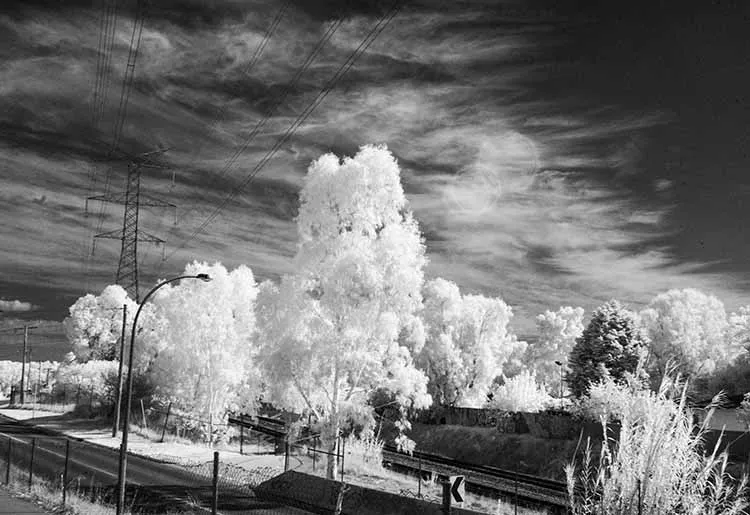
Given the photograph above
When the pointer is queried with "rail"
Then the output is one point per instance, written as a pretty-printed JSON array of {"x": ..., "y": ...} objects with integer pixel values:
[{"x": 523, "y": 487}]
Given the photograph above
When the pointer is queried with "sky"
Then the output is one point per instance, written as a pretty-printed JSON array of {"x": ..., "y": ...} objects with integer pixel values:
[{"x": 554, "y": 153}]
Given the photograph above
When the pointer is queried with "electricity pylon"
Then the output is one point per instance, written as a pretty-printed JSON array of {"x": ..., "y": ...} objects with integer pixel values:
[{"x": 130, "y": 235}]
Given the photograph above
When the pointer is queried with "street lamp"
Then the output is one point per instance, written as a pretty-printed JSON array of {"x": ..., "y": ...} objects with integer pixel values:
[
  {"x": 126, "y": 421},
  {"x": 559, "y": 364}
]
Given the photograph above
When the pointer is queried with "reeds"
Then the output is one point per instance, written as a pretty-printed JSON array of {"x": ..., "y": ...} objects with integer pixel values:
[{"x": 658, "y": 465}]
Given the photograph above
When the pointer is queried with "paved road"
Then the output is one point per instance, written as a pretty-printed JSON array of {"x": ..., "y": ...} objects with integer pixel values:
[{"x": 152, "y": 487}]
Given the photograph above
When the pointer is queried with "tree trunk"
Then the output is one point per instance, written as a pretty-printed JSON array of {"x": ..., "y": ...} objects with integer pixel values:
[
  {"x": 331, "y": 463},
  {"x": 332, "y": 454}
]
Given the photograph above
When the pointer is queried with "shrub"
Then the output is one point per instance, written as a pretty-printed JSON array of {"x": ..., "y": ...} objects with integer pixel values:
[
  {"x": 609, "y": 400},
  {"x": 658, "y": 466},
  {"x": 520, "y": 393}
]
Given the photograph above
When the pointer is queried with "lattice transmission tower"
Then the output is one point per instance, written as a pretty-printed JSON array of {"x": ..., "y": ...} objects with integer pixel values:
[{"x": 130, "y": 234}]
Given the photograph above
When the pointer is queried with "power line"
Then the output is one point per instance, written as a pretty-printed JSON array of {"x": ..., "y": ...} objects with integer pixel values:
[
  {"x": 127, "y": 81},
  {"x": 329, "y": 33},
  {"x": 382, "y": 23},
  {"x": 107, "y": 30},
  {"x": 245, "y": 71},
  {"x": 127, "y": 271}
]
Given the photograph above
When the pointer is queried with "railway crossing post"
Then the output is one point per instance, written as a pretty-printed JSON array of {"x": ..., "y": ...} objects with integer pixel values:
[
  {"x": 446, "y": 497},
  {"x": 453, "y": 491}
]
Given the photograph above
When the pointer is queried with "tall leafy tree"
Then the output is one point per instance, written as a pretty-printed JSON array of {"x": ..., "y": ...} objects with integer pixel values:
[
  {"x": 10, "y": 374},
  {"x": 208, "y": 361},
  {"x": 331, "y": 330},
  {"x": 95, "y": 323},
  {"x": 739, "y": 329},
  {"x": 689, "y": 329},
  {"x": 734, "y": 377},
  {"x": 558, "y": 331},
  {"x": 467, "y": 343},
  {"x": 611, "y": 345}
]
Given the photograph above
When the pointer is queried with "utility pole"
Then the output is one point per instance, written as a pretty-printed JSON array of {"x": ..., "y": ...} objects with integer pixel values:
[
  {"x": 116, "y": 422},
  {"x": 23, "y": 362},
  {"x": 132, "y": 199},
  {"x": 560, "y": 364}
]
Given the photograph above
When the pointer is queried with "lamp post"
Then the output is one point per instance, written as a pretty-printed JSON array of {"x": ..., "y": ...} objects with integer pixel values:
[
  {"x": 121, "y": 479},
  {"x": 559, "y": 364}
]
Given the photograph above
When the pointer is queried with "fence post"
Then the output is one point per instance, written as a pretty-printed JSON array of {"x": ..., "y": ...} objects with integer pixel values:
[
  {"x": 419, "y": 487},
  {"x": 258, "y": 443},
  {"x": 65, "y": 472},
  {"x": 343, "y": 449},
  {"x": 286, "y": 453},
  {"x": 91, "y": 398},
  {"x": 215, "y": 498},
  {"x": 7, "y": 465},
  {"x": 31, "y": 461},
  {"x": 78, "y": 394},
  {"x": 242, "y": 431},
  {"x": 164, "y": 429},
  {"x": 315, "y": 451}
]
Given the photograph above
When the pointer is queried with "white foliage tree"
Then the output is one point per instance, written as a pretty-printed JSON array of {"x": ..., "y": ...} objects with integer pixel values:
[
  {"x": 207, "y": 361},
  {"x": 739, "y": 329},
  {"x": 467, "y": 343},
  {"x": 95, "y": 323},
  {"x": 332, "y": 329},
  {"x": 73, "y": 378},
  {"x": 558, "y": 331},
  {"x": 688, "y": 328},
  {"x": 10, "y": 374}
]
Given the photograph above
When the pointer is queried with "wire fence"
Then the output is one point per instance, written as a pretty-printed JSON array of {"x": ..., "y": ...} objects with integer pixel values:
[{"x": 63, "y": 470}]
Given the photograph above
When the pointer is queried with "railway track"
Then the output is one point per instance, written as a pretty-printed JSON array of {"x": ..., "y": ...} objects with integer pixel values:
[{"x": 482, "y": 479}]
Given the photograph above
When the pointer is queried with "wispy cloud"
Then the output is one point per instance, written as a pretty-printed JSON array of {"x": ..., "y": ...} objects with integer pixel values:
[
  {"x": 15, "y": 305},
  {"x": 525, "y": 195}
]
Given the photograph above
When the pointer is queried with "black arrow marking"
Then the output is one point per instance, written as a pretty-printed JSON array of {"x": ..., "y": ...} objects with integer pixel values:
[{"x": 454, "y": 489}]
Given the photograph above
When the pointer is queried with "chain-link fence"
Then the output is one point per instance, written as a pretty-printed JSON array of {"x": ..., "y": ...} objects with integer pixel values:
[
  {"x": 233, "y": 485},
  {"x": 60, "y": 470},
  {"x": 52, "y": 464}
]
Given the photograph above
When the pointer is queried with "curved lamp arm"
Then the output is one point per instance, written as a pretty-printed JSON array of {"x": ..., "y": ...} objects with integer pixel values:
[{"x": 126, "y": 420}]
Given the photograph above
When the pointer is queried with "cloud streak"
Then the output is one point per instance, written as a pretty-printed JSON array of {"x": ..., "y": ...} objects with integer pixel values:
[
  {"x": 16, "y": 305},
  {"x": 542, "y": 198}
]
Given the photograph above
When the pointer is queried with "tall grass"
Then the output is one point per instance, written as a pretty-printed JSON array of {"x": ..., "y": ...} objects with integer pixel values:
[
  {"x": 659, "y": 465},
  {"x": 363, "y": 455}
]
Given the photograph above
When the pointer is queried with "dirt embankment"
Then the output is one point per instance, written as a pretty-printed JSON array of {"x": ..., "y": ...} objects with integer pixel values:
[{"x": 487, "y": 446}]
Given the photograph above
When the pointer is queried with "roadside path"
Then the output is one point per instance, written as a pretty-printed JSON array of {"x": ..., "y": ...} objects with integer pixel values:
[
  {"x": 13, "y": 506},
  {"x": 152, "y": 486}
]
